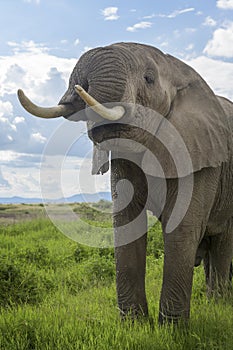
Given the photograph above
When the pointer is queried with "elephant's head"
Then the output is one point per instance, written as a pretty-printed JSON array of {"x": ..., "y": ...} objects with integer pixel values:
[{"x": 115, "y": 81}]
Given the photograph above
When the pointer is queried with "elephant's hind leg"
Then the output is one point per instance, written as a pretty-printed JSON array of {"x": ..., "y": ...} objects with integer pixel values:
[
  {"x": 183, "y": 245},
  {"x": 179, "y": 263},
  {"x": 218, "y": 264},
  {"x": 202, "y": 251},
  {"x": 231, "y": 272}
]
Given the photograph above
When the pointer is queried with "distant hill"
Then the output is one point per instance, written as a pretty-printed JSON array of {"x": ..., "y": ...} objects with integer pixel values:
[{"x": 78, "y": 198}]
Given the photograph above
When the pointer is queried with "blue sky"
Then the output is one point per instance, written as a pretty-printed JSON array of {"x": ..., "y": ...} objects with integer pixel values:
[{"x": 40, "y": 42}]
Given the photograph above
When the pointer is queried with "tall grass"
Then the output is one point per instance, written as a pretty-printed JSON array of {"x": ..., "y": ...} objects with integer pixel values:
[{"x": 57, "y": 294}]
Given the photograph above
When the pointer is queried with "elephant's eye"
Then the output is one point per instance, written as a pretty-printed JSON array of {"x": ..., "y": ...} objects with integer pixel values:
[{"x": 149, "y": 78}]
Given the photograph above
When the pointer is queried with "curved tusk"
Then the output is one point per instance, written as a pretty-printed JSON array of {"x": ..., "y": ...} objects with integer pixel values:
[
  {"x": 44, "y": 112},
  {"x": 114, "y": 113}
]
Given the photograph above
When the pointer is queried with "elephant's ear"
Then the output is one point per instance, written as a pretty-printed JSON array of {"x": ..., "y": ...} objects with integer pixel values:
[
  {"x": 100, "y": 161},
  {"x": 202, "y": 123}
]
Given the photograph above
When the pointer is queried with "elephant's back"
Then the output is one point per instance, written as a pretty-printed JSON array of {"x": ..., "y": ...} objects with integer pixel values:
[{"x": 227, "y": 106}]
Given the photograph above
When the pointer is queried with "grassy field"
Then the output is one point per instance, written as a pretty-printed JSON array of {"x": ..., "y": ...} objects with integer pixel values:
[{"x": 57, "y": 294}]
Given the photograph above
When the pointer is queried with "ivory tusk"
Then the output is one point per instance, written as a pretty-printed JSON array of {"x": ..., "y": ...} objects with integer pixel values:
[
  {"x": 44, "y": 112},
  {"x": 113, "y": 113}
]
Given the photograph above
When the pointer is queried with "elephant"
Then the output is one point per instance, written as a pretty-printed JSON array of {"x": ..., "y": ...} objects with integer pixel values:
[{"x": 134, "y": 92}]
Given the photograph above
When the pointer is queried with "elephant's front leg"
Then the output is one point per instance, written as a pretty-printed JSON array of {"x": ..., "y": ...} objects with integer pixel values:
[
  {"x": 129, "y": 193},
  {"x": 130, "y": 278}
]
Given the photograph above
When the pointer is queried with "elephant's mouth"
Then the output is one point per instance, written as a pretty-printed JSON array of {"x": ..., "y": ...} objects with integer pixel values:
[
  {"x": 119, "y": 137},
  {"x": 109, "y": 131}
]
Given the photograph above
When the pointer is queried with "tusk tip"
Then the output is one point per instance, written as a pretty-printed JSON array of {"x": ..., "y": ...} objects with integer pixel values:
[
  {"x": 78, "y": 88},
  {"x": 20, "y": 93}
]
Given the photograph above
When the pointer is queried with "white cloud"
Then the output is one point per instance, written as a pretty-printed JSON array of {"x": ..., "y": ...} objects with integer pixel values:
[
  {"x": 189, "y": 47},
  {"x": 7, "y": 156},
  {"x": 32, "y": 1},
  {"x": 225, "y": 4},
  {"x": 6, "y": 108},
  {"x": 170, "y": 15},
  {"x": 77, "y": 42},
  {"x": 32, "y": 68},
  {"x": 16, "y": 133},
  {"x": 74, "y": 176},
  {"x": 4, "y": 184},
  {"x": 52, "y": 88},
  {"x": 87, "y": 48},
  {"x": 221, "y": 43},
  {"x": 19, "y": 183},
  {"x": 38, "y": 137},
  {"x": 218, "y": 74},
  {"x": 64, "y": 41},
  {"x": 164, "y": 44},
  {"x": 110, "y": 13},
  {"x": 190, "y": 30},
  {"x": 209, "y": 22},
  {"x": 140, "y": 25},
  {"x": 150, "y": 16},
  {"x": 178, "y": 12},
  {"x": 44, "y": 78},
  {"x": 177, "y": 33},
  {"x": 7, "y": 128},
  {"x": 18, "y": 120}
]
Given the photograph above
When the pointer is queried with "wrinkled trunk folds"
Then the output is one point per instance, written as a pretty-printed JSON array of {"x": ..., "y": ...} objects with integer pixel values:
[{"x": 107, "y": 76}]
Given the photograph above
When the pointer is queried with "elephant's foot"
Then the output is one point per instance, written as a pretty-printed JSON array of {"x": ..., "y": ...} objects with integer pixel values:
[
  {"x": 166, "y": 318},
  {"x": 134, "y": 312},
  {"x": 220, "y": 290},
  {"x": 218, "y": 286},
  {"x": 231, "y": 273}
]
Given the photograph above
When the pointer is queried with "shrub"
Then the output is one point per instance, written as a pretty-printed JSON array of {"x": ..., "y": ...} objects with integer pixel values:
[
  {"x": 38, "y": 256},
  {"x": 155, "y": 244},
  {"x": 99, "y": 269},
  {"x": 19, "y": 284},
  {"x": 81, "y": 253},
  {"x": 103, "y": 204}
]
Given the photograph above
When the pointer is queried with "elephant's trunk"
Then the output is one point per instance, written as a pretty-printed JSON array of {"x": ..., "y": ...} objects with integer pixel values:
[
  {"x": 106, "y": 83},
  {"x": 101, "y": 72},
  {"x": 106, "y": 75}
]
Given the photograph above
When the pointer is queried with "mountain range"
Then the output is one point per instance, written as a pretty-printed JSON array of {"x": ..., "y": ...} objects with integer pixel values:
[{"x": 78, "y": 198}]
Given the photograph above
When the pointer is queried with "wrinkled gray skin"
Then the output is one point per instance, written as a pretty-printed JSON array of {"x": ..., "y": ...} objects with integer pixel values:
[{"x": 140, "y": 74}]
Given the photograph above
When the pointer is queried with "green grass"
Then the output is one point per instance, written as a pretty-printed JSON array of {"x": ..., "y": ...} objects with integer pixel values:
[{"x": 57, "y": 294}]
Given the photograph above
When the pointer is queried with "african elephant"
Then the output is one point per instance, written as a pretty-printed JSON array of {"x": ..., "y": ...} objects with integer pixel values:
[{"x": 133, "y": 89}]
